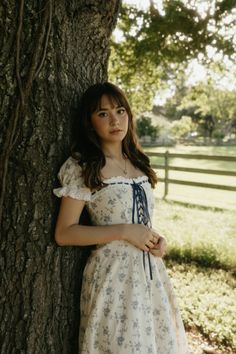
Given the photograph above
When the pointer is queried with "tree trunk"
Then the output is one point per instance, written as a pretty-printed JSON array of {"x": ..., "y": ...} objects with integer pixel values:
[{"x": 51, "y": 52}]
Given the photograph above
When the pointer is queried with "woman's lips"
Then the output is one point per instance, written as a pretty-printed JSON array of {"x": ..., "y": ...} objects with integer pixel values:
[{"x": 115, "y": 131}]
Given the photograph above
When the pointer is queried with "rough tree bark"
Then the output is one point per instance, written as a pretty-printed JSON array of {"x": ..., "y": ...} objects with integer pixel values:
[{"x": 50, "y": 52}]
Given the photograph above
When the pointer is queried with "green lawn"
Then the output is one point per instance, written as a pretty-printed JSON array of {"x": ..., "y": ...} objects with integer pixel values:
[
  {"x": 201, "y": 260},
  {"x": 199, "y": 195},
  {"x": 208, "y": 150},
  {"x": 203, "y": 235}
]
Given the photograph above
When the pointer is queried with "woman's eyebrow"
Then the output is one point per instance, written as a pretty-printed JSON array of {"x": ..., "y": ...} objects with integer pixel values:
[{"x": 106, "y": 109}]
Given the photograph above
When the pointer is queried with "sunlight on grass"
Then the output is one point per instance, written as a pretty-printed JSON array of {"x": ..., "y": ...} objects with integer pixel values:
[
  {"x": 207, "y": 150},
  {"x": 205, "y": 236},
  {"x": 198, "y": 195}
]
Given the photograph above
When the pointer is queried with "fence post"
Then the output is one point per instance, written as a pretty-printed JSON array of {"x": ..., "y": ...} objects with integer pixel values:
[{"x": 166, "y": 173}]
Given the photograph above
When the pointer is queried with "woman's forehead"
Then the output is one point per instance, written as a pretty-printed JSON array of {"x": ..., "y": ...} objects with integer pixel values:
[{"x": 109, "y": 100}]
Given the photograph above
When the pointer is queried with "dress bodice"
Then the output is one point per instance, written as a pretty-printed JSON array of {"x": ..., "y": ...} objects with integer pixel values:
[{"x": 112, "y": 204}]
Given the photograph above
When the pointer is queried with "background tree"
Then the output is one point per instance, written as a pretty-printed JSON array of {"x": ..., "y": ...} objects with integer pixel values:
[
  {"x": 180, "y": 128},
  {"x": 211, "y": 108},
  {"x": 172, "y": 105},
  {"x": 145, "y": 127},
  {"x": 50, "y": 53}
]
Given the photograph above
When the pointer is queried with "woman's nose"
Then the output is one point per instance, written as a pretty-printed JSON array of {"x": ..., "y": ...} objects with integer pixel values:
[{"x": 114, "y": 119}]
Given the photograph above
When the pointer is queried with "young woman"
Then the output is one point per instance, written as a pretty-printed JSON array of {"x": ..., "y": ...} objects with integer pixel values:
[{"x": 127, "y": 303}]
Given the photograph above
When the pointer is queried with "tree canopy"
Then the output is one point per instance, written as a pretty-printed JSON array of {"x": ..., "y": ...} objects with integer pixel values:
[{"x": 154, "y": 42}]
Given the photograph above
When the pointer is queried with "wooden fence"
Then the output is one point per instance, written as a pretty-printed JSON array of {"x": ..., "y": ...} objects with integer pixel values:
[{"x": 168, "y": 167}]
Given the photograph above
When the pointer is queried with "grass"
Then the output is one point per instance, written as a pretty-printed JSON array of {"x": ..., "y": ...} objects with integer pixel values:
[
  {"x": 201, "y": 260},
  {"x": 207, "y": 150},
  {"x": 206, "y": 236},
  {"x": 199, "y": 195}
]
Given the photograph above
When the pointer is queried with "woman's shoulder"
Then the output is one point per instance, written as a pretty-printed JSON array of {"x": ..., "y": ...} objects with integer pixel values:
[
  {"x": 70, "y": 169},
  {"x": 71, "y": 163},
  {"x": 72, "y": 182}
]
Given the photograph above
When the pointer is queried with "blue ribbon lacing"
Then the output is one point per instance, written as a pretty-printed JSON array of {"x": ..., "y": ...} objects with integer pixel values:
[{"x": 140, "y": 208}]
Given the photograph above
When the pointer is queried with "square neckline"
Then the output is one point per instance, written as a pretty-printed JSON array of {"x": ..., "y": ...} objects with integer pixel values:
[{"x": 125, "y": 179}]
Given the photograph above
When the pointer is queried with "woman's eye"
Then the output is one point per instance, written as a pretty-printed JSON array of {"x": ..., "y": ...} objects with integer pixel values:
[
  {"x": 102, "y": 114},
  {"x": 121, "y": 111}
]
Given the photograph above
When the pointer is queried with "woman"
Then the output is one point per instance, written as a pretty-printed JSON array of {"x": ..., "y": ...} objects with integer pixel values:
[{"x": 127, "y": 302}]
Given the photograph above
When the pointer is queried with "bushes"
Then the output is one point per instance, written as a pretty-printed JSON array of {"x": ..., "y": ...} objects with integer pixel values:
[{"x": 207, "y": 300}]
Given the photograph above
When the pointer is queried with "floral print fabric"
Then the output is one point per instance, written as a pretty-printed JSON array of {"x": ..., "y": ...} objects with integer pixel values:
[{"x": 123, "y": 310}]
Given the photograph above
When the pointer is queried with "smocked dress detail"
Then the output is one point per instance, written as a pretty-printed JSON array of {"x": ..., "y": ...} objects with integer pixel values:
[{"x": 127, "y": 302}]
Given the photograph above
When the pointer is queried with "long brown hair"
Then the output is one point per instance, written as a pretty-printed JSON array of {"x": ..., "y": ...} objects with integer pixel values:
[{"x": 87, "y": 148}]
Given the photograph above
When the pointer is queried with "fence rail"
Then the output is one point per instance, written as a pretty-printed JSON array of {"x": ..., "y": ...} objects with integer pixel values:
[{"x": 168, "y": 167}]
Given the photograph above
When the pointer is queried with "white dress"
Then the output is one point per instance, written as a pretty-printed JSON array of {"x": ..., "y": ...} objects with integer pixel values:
[{"x": 127, "y": 303}]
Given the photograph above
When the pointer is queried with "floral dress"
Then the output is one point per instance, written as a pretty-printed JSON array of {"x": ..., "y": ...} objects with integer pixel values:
[{"x": 127, "y": 303}]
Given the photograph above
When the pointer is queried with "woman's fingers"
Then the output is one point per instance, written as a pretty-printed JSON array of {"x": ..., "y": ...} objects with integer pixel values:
[
  {"x": 145, "y": 238},
  {"x": 149, "y": 244},
  {"x": 156, "y": 236},
  {"x": 152, "y": 239},
  {"x": 159, "y": 249}
]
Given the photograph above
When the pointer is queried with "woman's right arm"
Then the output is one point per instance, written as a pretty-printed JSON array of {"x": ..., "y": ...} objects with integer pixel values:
[{"x": 69, "y": 233}]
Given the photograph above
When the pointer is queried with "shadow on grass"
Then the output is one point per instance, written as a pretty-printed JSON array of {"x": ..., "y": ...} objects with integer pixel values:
[{"x": 202, "y": 257}]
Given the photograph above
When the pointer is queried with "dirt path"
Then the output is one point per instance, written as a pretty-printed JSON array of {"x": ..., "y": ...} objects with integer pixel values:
[{"x": 199, "y": 345}]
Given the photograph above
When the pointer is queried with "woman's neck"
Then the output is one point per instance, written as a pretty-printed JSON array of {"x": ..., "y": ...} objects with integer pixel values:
[{"x": 114, "y": 152}]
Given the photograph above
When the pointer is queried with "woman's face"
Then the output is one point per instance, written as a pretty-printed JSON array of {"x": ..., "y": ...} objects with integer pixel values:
[{"x": 110, "y": 121}]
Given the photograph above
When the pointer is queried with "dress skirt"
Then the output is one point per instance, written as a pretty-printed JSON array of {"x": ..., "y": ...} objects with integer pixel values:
[{"x": 126, "y": 307}]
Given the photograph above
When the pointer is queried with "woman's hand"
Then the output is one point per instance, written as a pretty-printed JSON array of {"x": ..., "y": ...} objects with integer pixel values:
[
  {"x": 159, "y": 248},
  {"x": 141, "y": 236}
]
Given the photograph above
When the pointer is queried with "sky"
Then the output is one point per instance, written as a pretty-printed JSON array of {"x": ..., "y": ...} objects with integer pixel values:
[{"x": 142, "y": 4}]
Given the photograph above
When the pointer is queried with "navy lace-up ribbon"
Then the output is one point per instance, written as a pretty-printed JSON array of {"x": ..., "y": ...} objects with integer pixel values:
[{"x": 140, "y": 208}]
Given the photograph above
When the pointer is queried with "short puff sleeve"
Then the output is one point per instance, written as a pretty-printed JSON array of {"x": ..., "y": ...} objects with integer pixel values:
[{"x": 72, "y": 183}]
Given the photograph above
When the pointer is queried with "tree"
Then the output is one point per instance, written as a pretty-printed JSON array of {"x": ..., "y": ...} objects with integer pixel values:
[
  {"x": 182, "y": 126},
  {"x": 179, "y": 32},
  {"x": 172, "y": 104},
  {"x": 50, "y": 53},
  {"x": 210, "y": 107},
  {"x": 140, "y": 81},
  {"x": 155, "y": 42},
  {"x": 144, "y": 127}
]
